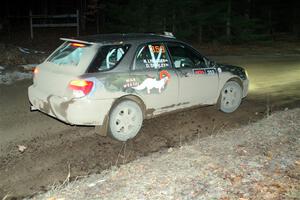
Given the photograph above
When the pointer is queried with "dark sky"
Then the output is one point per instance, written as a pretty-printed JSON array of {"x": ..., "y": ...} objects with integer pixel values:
[
  {"x": 17, "y": 7},
  {"x": 21, "y": 8},
  {"x": 182, "y": 16}
]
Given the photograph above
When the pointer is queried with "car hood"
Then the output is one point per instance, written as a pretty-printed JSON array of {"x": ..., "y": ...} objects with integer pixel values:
[{"x": 235, "y": 70}]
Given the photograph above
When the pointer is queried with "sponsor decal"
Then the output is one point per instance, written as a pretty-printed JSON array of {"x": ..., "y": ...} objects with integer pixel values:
[
  {"x": 208, "y": 71},
  {"x": 199, "y": 71},
  {"x": 164, "y": 73},
  {"x": 161, "y": 63},
  {"x": 130, "y": 82},
  {"x": 153, "y": 83}
]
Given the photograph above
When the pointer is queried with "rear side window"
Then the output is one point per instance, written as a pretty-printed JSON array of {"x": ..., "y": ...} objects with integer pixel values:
[
  {"x": 68, "y": 54},
  {"x": 108, "y": 57}
]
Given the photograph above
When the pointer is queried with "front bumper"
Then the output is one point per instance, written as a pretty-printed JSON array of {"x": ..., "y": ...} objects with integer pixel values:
[{"x": 82, "y": 111}]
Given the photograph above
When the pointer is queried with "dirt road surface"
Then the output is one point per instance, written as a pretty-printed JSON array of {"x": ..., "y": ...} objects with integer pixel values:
[{"x": 54, "y": 149}]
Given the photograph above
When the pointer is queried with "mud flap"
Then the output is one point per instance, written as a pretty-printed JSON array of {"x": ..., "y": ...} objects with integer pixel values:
[{"x": 102, "y": 130}]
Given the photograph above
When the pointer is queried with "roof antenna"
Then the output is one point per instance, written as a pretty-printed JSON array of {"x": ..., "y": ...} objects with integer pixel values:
[{"x": 169, "y": 34}]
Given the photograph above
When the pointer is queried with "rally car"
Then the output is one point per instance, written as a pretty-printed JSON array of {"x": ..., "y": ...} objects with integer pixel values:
[{"x": 115, "y": 81}]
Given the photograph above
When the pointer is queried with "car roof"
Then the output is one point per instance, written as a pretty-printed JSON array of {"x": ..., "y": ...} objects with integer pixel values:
[{"x": 121, "y": 37}]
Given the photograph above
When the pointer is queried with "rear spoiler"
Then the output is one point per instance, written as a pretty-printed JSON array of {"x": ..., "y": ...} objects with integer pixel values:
[{"x": 77, "y": 41}]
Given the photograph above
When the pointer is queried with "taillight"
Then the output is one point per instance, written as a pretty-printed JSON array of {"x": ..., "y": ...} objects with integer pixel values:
[
  {"x": 35, "y": 71},
  {"x": 77, "y": 44},
  {"x": 81, "y": 87}
]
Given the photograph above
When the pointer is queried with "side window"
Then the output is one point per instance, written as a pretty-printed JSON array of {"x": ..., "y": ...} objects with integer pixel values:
[
  {"x": 151, "y": 56},
  {"x": 108, "y": 57},
  {"x": 184, "y": 57}
]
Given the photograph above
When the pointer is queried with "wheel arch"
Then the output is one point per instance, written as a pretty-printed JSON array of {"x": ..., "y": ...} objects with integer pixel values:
[
  {"x": 133, "y": 98},
  {"x": 236, "y": 79},
  {"x": 226, "y": 78},
  {"x": 104, "y": 128},
  {"x": 120, "y": 100}
]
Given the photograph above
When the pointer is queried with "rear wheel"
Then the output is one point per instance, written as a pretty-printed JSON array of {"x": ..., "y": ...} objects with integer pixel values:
[
  {"x": 230, "y": 97},
  {"x": 125, "y": 120}
]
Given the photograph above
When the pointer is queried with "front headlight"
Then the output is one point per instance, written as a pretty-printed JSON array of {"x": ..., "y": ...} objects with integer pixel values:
[{"x": 246, "y": 73}]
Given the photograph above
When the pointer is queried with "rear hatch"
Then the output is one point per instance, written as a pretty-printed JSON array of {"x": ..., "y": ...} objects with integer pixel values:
[{"x": 65, "y": 64}]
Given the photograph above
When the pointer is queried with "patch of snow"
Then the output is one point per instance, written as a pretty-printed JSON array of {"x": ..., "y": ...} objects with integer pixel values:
[
  {"x": 11, "y": 77},
  {"x": 28, "y": 51},
  {"x": 22, "y": 148},
  {"x": 35, "y": 51},
  {"x": 2, "y": 68},
  {"x": 24, "y": 50}
]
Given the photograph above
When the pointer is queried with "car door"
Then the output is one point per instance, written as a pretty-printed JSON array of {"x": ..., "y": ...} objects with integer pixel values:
[
  {"x": 153, "y": 79},
  {"x": 198, "y": 83}
]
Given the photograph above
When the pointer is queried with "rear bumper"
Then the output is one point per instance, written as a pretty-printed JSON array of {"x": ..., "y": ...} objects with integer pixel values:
[{"x": 82, "y": 111}]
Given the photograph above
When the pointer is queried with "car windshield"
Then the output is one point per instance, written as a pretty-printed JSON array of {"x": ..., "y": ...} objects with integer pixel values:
[{"x": 69, "y": 53}]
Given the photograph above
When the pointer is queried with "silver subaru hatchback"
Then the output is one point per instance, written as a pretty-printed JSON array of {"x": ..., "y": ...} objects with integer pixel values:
[{"x": 117, "y": 80}]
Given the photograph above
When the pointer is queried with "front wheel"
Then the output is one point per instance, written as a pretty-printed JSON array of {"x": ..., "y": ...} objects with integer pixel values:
[
  {"x": 230, "y": 97},
  {"x": 125, "y": 120}
]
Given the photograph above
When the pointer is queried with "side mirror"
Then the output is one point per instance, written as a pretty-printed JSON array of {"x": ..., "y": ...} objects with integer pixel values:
[
  {"x": 209, "y": 63},
  {"x": 177, "y": 64}
]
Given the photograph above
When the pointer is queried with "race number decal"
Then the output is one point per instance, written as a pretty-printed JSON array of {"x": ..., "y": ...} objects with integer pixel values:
[
  {"x": 157, "y": 49},
  {"x": 210, "y": 71}
]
